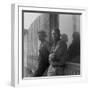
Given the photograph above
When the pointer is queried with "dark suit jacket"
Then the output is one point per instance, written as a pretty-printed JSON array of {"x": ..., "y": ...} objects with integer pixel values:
[{"x": 43, "y": 59}]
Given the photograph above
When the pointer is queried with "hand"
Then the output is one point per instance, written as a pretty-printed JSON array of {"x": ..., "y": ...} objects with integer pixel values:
[{"x": 52, "y": 57}]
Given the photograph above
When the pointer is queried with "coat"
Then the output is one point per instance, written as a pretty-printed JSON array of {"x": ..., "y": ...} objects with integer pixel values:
[
  {"x": 57, "y": 58},
  {"x": 43, "y": 59}
]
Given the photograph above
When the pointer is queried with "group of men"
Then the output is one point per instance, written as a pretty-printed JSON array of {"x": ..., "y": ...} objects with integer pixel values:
[{"x": 52, "y": 56}]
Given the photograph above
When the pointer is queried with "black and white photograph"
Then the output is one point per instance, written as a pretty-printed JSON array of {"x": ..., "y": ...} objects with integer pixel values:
[
  {"x": 50, "y": 44},
  {"x": 45, "y": 44}
]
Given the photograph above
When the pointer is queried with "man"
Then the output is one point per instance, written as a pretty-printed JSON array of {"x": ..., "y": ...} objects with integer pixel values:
[
  {"x": 64, "y": 37},
  {"x": 57, "y": 55},
  {"x": 74, "y": 49},
  {"x": 43, "y": 55}
]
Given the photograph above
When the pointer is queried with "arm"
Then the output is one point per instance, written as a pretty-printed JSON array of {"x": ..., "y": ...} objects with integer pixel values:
[
  {"x": 58, "y": 53},
  {"x": 60, "y": 50},
  {"x": 43, "y": 62}
]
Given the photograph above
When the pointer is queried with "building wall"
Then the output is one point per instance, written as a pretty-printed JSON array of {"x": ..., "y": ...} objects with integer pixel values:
[{"x": 68, "y": 24}]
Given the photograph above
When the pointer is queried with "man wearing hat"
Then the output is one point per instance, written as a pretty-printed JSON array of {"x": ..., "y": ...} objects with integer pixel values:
[{"x": 43, "y": 54}]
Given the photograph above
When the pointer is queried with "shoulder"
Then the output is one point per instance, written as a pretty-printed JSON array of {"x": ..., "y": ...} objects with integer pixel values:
[
  {"x": 60, "y": 42},
  {"x": 47, "y": 45}
]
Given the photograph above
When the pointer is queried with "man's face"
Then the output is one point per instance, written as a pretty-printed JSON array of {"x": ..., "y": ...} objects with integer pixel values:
[
  {"x": 55, "y": 36},
  {"x": 41, "y": 37}
]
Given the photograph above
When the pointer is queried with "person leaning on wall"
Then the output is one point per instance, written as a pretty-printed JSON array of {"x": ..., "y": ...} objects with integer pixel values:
[
  {"x": 58, "y": 54},
  {"x": 43, "y": 63}
]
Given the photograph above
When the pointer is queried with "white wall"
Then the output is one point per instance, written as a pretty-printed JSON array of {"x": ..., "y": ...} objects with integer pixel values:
[
  {"x": 29, "y": 19},
  {"x": 66, "y": 25}
]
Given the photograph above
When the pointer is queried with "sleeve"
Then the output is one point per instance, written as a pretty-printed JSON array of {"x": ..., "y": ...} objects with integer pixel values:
[
  {"x": 60, "y": 50},
  {"x": 43, "y": 62}
]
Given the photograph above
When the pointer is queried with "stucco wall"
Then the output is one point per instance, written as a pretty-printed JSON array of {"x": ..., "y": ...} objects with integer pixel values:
[{"x": 66, "y": 25}]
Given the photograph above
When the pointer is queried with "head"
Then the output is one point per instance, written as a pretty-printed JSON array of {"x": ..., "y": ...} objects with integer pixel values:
[
  {"x": 64, "y": 37},
  {"x": 76, "y": 36},
  {"x": 56, "y": 34},
  {"x": 42, "y": 35}
]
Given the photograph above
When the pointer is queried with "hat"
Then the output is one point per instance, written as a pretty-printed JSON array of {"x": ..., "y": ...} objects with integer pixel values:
[
  {"x": 42, "y": 33},
  {"x": 57, "y": 31}
]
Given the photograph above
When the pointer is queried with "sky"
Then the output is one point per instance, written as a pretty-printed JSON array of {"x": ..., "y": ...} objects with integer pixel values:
[{"x": 29, "y": 18}]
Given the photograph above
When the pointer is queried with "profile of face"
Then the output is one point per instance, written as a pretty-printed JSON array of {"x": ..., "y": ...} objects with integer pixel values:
[
  {"x": 41, "y": 36},
  {"x": 55, "y": 35},
  {"x": 64, "y": 37}
]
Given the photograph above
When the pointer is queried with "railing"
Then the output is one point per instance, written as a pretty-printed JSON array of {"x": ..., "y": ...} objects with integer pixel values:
[{"x": 72, "y": 69}]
